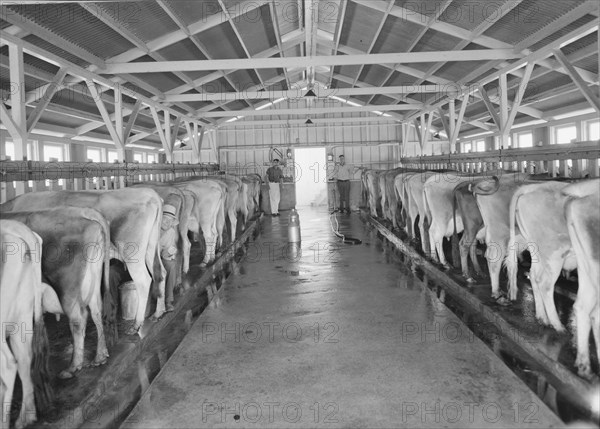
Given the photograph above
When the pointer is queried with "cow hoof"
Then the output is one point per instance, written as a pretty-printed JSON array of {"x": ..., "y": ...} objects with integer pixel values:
[
  {"x": 502, "y": 301},
  {"x": 203, "y": 265},
  {"x": 470, "y": 280},
  {"x": 65, "y": 374},
  {"x": 25, "y": 421},
  {"x": 99, "y": 361},
  {"x": 133, "y": 330},
  {"x": 446, "y": 267}
]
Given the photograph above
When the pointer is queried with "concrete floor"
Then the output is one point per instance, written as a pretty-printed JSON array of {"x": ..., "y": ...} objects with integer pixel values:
[{"x": 339, "y": 336}]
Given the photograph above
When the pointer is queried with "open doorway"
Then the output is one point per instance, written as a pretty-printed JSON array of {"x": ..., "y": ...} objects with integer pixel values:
[{"x": 311, "y": 185}]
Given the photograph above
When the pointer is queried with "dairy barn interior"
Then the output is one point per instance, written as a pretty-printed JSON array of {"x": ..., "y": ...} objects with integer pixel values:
[{"x": 182, "y": 245}]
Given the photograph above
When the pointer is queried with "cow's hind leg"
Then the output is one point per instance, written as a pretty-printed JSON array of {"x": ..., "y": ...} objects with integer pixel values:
[
  {"x": 77, "y": 322},
  {"x": 465, "y": 246},
  {"x": 552, "y": 272},
  {"x": 95, "y": 307},
  {"x": 22, "y": 349},
  {"x": 8, "y": 373},
  {"x": 583, "y": 310},
  {"x": 139, "y": 274}
]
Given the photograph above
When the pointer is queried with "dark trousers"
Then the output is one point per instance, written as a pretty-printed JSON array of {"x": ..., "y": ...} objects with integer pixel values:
[
  {"x": 344, "y": 190},
  {"x": 171, "y": 268}
]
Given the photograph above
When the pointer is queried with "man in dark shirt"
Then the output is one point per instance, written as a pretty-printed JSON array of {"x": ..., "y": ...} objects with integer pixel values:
[{"x": 275, "y": 178}]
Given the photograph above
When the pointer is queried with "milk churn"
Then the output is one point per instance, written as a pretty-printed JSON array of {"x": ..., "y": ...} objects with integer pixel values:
[{"x": 294, "y": 227}]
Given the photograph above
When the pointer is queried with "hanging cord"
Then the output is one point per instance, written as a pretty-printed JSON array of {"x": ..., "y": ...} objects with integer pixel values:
[{"x": 336, "y": 229}]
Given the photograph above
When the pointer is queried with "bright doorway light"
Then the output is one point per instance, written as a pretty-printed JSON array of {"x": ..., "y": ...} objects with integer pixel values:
[{"x": 311, "y": 179}]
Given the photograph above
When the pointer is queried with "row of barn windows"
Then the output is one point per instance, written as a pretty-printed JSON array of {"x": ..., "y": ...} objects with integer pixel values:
[
  {"x": 562, "y": 134},
  {"x": 59, "y": 152}
]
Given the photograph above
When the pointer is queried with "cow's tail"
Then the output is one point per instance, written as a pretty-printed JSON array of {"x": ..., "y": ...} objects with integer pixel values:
[
  {"x": 511, "y": 260},
  {"x": 40, "y": 370},
  {"x": 455, "y": 242},
  {"x": 479, "y": 188},
  {"x": 157, "y": 266},
  {"x": 109, "y": 301}
]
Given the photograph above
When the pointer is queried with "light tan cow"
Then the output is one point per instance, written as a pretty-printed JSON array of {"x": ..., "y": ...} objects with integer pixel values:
[
  {"x": 537, "y": 212},
  {"x": 493, "y": 198},
  {"x": 134, "y": 216},
  {"x": 23, "y": 298},
  {"x": 582, "y": 211},
  {"x": 208, "y": 213}
]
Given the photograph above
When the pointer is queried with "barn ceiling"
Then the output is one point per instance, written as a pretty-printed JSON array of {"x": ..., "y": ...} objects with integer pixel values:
[{"x": 227, "y": 62}]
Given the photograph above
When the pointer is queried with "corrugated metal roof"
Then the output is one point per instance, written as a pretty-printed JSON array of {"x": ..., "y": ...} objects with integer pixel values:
[
  {"x": 44, "y": 44},
  {"x": 360, "y": 27},
  {"x": 328, "y": 14},
  {"x": 528, "y": 17},
  {"x": 78, "y": 26},
  {"x": 468, "y": 14},
  {"x": 590, "y": 64},
  {"x": 221, "y": 42},
  {"x": 288, "y": 15},
  {"x": 374, "y": 74},
  {"x": 565, "y": 30},
  {"x": 146, "y": 19},
  {"x": 397, "y": 35},
  {"x": 191, "y": 12},
  {"x": 257, "y": 31}
]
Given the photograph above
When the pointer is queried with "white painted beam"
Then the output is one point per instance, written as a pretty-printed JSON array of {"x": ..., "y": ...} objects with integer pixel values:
[
  {"x": 49, "y": 92},
  {"x": 581, "y": 84},
  {"x": 315, "y": 111},
  {"x": 334, "y": 60},
  {"x": 317, "y": 121},
  {"x": 298, "y": 93}
]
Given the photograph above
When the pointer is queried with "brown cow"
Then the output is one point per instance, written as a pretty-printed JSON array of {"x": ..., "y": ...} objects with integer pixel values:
[{"x": 75, "y": 262}]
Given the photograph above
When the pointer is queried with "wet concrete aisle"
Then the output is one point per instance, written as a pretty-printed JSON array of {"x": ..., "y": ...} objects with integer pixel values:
[{"x": 336, "y": 336}]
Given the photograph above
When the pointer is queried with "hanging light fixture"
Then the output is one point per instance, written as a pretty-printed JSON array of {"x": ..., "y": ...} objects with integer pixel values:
[
  {"x": 309, "y": 122},
  {"x": 310, "y": 93}
]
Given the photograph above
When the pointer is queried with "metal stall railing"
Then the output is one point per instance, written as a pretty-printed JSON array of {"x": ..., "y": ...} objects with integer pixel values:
[
  {"x": 18, "y": 177},
  {"x": 574, "y": 160}
]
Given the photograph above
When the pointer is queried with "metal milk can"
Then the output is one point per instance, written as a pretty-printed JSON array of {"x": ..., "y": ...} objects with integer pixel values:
[{"x": 294, "y": 227}]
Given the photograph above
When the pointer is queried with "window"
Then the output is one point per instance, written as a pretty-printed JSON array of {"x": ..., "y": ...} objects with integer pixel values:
[
  {"x": 54, "y": 152},
  {"x": 111, "y": 156},
  {"x": 525, "y": 139},
  {"x": 9, "y": 150},
  {"x": 94, "y": 154},
  {"x": 467, "y": 147},
  {"x": 138, "y": 156},
  {"x": 593, "y": 130},
  {"x": 565, "y": 134},
  {"x": 151, "y": 158},
  {"x": 480, "y": 146}
]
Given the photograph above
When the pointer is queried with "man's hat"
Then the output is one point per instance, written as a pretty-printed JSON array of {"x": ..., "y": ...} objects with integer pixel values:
[{"x": 169, "y": 210}]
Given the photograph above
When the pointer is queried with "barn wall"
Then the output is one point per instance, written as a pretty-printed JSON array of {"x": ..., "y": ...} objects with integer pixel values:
[{"x": 370, "y": 144}]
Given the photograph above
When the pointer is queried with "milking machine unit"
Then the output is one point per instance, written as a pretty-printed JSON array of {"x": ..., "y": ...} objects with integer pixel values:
[{"x": 294, "y": 227}]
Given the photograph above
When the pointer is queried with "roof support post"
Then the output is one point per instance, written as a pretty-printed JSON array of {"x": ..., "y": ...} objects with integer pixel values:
[
  {"x": 131, "y": 121},
  {"x": 16, "y": 122}
]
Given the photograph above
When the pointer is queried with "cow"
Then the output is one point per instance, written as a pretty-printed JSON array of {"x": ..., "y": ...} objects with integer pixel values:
[
  {"x": 537, "y": 211},
  {"x": 134, "y": 216},
  {"x": 372, "y": 185},
  {"x": 493, "y": 196},
  {"x": 416, "y": 207},
  {"x": 253, "y": 181},
  {"x": 389, "y": 199},
  {"x": 75, "y": 262},
  {"x": 438, "y": 193},
  {"x": 23, "y": 298},
  {"x": 582, "y": 212},
  {"x": 465, "y": 204},
  {"x": 185, "y": 211},
  {"x": 208, "y": 212},
  {"x": 402, "y": 195}
]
